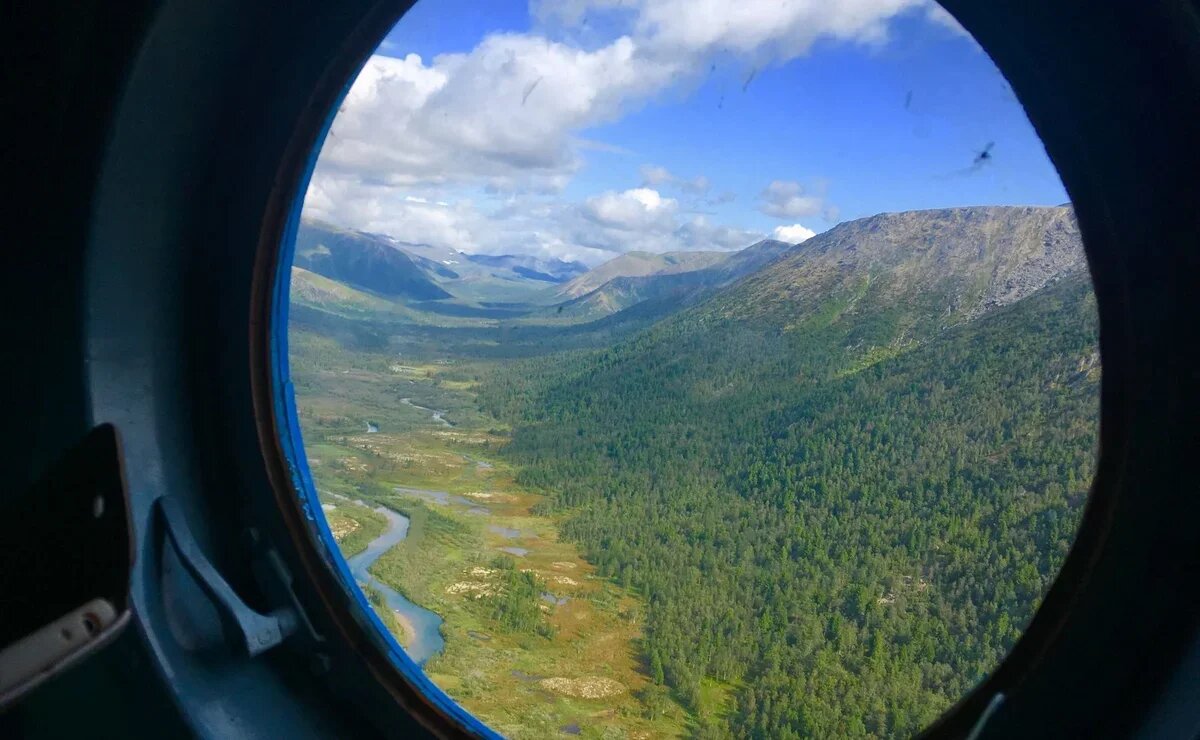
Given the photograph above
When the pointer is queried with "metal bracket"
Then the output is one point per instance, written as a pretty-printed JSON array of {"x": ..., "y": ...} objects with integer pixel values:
[
  {"x": 275, "y": 580},
  {"x": 258, "y": 632}
]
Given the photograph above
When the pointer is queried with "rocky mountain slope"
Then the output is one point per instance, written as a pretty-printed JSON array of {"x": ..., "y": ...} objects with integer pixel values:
[
  {"x": 674, "y": 289},
  {"x": 638, "y": 264},
  {"x": 526, "y": 266},
  {"x": 848, "y": 478},
  {"x": 967, "y": 261},
  {"x": 363, "y": 261}
]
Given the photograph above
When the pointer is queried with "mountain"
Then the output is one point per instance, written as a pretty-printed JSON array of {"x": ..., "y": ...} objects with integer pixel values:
[
  {"x": 312, "y": 289},
  {"x": 364, "y": 261},
  {"x": 753, "y": 257},
  {"x": 533, "y": 268},
  {"x": 672, "y": 289},
  {"x": 846, "y": 479},
  {"x": 637, "y": 264},
  {"x": 449, "y": 261},
  {"x": 486, "y": 279},
  {"x": 939, "y": 266},
  {"x": 426, "y": 272}
]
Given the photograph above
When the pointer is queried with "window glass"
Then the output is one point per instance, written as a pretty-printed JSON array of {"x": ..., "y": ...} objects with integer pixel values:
[{"x": 673, "y": 368}]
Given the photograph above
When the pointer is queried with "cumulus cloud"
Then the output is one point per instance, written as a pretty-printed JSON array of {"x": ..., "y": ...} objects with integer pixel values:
[
  {"x": 788, "y": 199},
  {"x": 939, "y": 16},
  {"x": 793, "y": 234},
  {"x": 640, "y": 209},
  {"x": 380, "y": 208},
  {"x": 643, "y": 219},
  {"x": 764, "y": 31},
  {"x": 509, "y": 118},
  {"x": 590, "y": 231},
  {"x": 508, "y": 113},
  {"x": 505, "y": 115}
]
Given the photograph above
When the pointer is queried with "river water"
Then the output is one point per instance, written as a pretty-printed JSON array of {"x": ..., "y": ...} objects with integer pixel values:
[
  {"x": 434, "y": 413},
  {"x": 426, "y": 637}
]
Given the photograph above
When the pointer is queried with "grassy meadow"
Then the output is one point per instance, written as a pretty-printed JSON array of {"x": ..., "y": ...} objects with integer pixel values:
[{"x": 536, "y": 643}]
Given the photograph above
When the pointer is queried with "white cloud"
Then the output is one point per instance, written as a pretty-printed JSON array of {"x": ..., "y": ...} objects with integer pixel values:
[
  {"x": 787, "y": 199},
  {"x": 508, "y": 113},
  {"x": 764, "y": 31},
  {"x": 793, "y": 234},
  {"x": 590, "y": 231},
  {"x": 655, "y": 176},
  {"x": 701, "y": 234},
  {"x": 418, "y": 142},
  {"x": 505, "y": 115},
  {"x": 380, "y": 208},
  {"x": 939, "y": 16},
  {"x": 640, "y": 209},
  {"x": 642, "y": 219}
]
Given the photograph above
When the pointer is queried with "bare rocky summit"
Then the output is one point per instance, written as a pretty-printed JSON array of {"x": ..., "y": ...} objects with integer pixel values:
[{"x": 967, "y": 261}]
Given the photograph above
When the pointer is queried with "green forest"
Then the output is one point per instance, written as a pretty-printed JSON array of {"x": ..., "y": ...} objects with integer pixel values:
[
  {"x": 851, "y": 537},
  {"x": 832, "y": 493}
]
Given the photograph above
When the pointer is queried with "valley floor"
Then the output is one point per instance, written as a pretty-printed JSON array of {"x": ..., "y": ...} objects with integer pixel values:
[{"x": 580, "y": 670}]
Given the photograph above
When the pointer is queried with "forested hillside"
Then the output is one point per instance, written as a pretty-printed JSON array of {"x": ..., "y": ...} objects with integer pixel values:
[{"x": 843, "y": 484}]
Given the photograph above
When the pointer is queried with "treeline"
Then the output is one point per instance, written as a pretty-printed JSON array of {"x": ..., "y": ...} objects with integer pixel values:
[
  {"x": 849, "y": 521},
  {"x": 516, "y": 605}
]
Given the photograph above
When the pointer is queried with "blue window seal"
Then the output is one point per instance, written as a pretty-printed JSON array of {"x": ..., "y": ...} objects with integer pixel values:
[{"x": 292, "y": 443}]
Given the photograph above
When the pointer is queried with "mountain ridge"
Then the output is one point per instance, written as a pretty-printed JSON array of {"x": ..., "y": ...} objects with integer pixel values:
[
  {"x": 363, "y": 261},
  {"x": 685, "y": 287},
  {"x": 973, "y": 258},
  {"x": 847, "y": 478},
  {"x": 638, "y": 264}
]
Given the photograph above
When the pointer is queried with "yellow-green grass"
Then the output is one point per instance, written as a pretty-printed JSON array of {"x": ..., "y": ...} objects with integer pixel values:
[
  {"x": 309, "y": 287},
  {"x": 527, "y": 684},
  {"x": 521, "y": 683},
  {"x": 353, "y": 526},
  {"x": 716, "y": 702}
]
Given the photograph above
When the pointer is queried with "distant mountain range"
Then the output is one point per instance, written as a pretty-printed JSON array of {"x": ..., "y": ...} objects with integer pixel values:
[
  {"x": 677, "y": 278},
  {"x": 424, "y": 272},
  {"x": 847, "y": 469},
  {"x": 936, "y": 267},
  {"x": 638, "y": 264},
  {"x": 969, "y": 260},
  {"x": 533, "y": 268},
  {"x": 847, "y": 478},
  {"x": 365, "y": 261}
]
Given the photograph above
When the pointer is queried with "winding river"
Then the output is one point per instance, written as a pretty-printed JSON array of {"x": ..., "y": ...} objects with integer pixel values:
[
  {"x": 434, "y": 413},
  {"x": 425, "y": 626}
]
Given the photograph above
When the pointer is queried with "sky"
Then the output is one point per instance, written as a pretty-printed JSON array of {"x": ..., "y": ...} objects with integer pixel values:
[{"x": 581, "y": 129}]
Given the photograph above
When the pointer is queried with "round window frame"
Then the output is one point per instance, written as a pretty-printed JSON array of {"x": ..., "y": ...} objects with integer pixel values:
[{"x": 1086, "y": 176}]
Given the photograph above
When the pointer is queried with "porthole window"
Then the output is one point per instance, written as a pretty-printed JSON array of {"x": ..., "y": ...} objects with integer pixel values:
[{"x": 666, "y": 371}]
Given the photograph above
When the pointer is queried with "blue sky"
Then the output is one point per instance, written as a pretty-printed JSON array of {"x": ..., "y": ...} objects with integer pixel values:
[{"x": 585, "y": 128}]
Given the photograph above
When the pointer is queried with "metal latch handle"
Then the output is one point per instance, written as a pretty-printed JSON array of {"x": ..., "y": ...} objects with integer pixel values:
[{"x": 259, "y": 632}]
